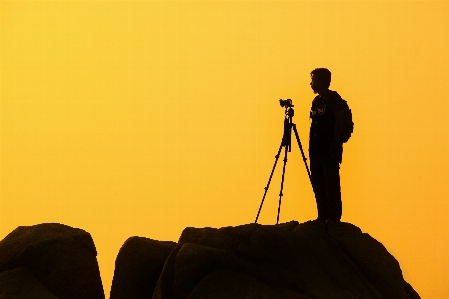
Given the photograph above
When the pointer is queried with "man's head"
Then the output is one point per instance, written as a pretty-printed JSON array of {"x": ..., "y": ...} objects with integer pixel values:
[{"x": 321, "y": 79}]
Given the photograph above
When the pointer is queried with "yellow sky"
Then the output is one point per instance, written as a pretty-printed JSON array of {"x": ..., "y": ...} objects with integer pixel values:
[{"x": 142, "y": 118}]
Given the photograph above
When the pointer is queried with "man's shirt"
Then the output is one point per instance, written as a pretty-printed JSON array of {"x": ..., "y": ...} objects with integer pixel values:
[{"x": 322, "y": 128}]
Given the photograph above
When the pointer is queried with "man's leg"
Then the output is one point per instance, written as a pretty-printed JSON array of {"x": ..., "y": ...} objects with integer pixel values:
[
  {"x": 331, "y": 167},
  {"x": 319, "y": 186}
]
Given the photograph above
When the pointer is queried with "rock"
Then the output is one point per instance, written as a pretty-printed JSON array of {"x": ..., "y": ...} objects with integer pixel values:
[
  {"x": 138, "y": 266},
  {"x": 20, "y": 283},
  {"x": 289, "y": 260},
  {"x": 376, "y": 263},
  {"x": 61, "y": 258}
]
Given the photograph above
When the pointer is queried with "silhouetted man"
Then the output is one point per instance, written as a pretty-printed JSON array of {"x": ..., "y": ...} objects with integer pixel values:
[{"x": 325, "y": 149}]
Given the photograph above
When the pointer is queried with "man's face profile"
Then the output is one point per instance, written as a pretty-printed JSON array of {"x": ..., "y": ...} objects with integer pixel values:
[{"x": 315, "y": 83}]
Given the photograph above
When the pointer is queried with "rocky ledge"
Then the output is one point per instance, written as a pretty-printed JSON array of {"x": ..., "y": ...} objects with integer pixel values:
[{"x": 289, "y": 260}]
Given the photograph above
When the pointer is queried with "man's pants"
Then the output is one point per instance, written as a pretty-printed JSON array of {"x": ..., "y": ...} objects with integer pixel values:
[{"x": 325, "y": 172}]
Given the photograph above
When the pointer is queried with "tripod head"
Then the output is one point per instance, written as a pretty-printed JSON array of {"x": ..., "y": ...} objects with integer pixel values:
[
  {"x": 288, "y": 105},
  {"x": 289, "y": 113}
]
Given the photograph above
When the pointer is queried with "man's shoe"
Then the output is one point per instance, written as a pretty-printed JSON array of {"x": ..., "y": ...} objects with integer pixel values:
[{"x": 320, "y": 222}]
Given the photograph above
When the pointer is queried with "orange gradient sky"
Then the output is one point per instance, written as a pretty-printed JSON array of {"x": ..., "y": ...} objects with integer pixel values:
[{"x": 142, "y": 118}]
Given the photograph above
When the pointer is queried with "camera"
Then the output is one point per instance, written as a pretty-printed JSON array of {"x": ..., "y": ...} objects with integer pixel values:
[{"x": 286, "y": 103}]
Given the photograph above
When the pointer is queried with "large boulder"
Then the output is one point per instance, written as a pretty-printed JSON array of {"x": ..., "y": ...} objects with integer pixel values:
[
  {"x": 61, "y": 258},
  {"x": 138, "y": 266},
  {"x": 289, "y": 260}
]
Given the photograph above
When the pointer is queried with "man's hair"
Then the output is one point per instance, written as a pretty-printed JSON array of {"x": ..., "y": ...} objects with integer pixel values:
[{"x": 322, "y": 74}]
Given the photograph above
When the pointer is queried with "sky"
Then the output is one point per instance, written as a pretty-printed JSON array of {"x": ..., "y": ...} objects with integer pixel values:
[{"x": 141, "y": 118}]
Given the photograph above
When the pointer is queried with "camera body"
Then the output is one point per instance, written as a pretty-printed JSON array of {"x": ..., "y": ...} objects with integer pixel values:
[{"x": 286, "y": 103}]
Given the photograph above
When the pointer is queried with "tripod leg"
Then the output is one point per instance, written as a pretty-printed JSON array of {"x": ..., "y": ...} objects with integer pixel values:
[
  {"x": 282, "y": 184},
  {"x": 269, "y": 181},
  {"x": 302, "y": 152}
]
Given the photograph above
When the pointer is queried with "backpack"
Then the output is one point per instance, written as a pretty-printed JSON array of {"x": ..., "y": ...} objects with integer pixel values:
[{"x": 348, "y": 124}]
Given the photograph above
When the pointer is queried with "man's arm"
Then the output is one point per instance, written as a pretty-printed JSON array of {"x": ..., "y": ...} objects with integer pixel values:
[{"x": 338, "y": 124}]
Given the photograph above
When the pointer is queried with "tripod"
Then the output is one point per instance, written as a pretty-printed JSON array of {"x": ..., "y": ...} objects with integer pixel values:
[{"x": 286, "y": 143}]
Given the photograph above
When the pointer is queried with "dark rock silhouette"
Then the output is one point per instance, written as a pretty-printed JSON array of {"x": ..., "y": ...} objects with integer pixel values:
[
  {"x": 285, "y": 261},
  {"x": 20, "y": 283},
  {"x": 138, "y": 266},
  {"x": 289, "y": 260},
  {"x": 61, "y": 258}
]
